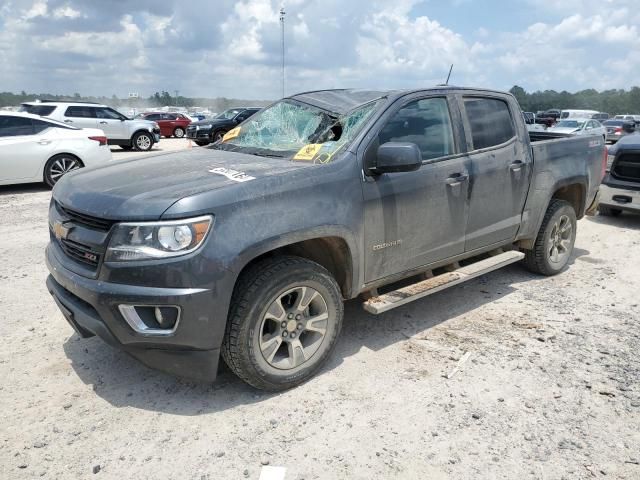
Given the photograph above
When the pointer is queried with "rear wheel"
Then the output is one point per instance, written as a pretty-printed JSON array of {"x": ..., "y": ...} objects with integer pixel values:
[
  {"x": 142, "y": 141},
  {"x": 285, "y": 316},
  {"x": 608, "y": 211},
  {"x": 554, "y": 244},
  {"x": 178, "y": 132},
  {"x": 58, "y": 166}
]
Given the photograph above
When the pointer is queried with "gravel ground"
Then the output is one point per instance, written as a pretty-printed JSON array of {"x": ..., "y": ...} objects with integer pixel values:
[{"x": 549, "y": 388}]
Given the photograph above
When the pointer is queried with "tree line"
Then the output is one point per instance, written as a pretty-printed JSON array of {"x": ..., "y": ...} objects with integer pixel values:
[{"x": 613, "y": 102}]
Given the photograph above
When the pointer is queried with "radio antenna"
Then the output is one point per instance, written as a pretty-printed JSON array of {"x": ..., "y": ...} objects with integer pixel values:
[{"x": 449, "y": 76}]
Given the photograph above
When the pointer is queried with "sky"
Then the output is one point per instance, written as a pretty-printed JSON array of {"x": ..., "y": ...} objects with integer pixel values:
[{"x": 233, "y": 48}]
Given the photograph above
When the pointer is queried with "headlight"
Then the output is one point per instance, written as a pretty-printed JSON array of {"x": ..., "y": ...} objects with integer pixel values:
[{"x": 149, "y": 240}]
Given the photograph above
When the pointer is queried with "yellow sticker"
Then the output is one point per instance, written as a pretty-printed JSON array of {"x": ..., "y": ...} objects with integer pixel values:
[
  {"x": 308, "y": 151},
  {"x": 231, "y": 134}
]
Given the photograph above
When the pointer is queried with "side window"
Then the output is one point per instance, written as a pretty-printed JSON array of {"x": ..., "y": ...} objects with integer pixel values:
[
  {"x": 15, "y": 126},
  {"x": 40, "y": 126},
  {"x": 490, "y": 121},
  {"x": 107, "y": 113},
  {"x": 79, "y": 112},
  {"x": 426, "y": 123},
  {"x": 153, "y": 117}
]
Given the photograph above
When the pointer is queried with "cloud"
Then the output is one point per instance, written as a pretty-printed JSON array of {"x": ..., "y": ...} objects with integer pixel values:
[{"x": 233, "y": 48}]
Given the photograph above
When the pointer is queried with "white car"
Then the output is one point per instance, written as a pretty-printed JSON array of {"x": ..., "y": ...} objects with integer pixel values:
[
  {"x": 36, "y": 149},
  {"x": 579, "y": 126}
]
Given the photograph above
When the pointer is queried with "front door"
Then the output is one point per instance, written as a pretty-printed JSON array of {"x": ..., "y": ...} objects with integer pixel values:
[
  {"x": 500, "y": 170},
  {"x": 416, "y": 218},
  {"x": 111, "y": 123}
]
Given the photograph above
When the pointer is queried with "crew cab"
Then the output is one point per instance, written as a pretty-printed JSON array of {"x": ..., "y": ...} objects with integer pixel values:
[
  {"x": 620, "y": 190},
  {"x": 249, "y": 247}
]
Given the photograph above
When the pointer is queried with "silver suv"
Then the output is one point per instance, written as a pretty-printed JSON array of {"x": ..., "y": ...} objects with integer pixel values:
[{"x": 120, "y": 130}]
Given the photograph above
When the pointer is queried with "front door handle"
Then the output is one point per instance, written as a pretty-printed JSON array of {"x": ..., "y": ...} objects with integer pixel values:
[
  {"x": 456, "y": 179},
  {"x": 103, "y": 123},
  {"x": 516, "y": 166},
  {"x": 44, "y": 141}
]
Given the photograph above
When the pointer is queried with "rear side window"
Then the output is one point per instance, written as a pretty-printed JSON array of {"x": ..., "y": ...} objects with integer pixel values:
[
  {"x": 106, "y": 113},
  {"x": 424, "y": 122},
  {"x": 42, "y": 110},
  {"x": 15, "y": 126},
  {"x": 490, "y": 121},
  {"x": 79, "y": 112}
]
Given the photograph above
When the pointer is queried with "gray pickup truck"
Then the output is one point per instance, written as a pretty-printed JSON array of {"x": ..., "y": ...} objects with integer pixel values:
[{"x": 246, "y": 249}]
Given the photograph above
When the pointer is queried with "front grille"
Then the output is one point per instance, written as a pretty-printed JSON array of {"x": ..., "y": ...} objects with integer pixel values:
[
  {"x": 80, "y": 253},
  {"x": 86, "y": 220},
  {"x": 627, "y": 167}
]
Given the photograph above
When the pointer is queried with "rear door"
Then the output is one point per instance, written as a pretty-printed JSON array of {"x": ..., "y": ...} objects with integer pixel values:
[
  {"x": 23, "y": 150},
  {"x": 111, "y": 123},
  {"x": 500, "y": 171},
  {"x": 81, "y": 116},
  {"x": 416, "y": 218}
]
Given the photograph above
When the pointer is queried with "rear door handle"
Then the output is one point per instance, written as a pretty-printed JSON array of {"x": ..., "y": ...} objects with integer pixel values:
[
  {"x": 456, "y": 179},
  {"x": 516, "y": 166},
  {"x": 44, "y": 141},
  {"x": 103, "y": 123},
  {"x": 68, "y": 121}
]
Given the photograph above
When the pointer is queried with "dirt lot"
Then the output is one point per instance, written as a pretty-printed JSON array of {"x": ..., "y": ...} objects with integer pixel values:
[{"x": 550, "y": 388}]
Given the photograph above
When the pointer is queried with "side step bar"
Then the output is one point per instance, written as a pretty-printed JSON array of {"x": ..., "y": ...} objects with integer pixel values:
[{"x": 387, "y": 301}]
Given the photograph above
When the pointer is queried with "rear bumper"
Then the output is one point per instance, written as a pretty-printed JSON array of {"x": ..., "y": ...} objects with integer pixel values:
[
  {"x": 620, "y": 198},
  {"x": 91, "y": 308}
]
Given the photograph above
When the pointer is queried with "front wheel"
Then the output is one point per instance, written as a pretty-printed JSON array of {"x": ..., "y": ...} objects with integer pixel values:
[
  {"x": 217, "y": 136},
  {"x": 201, "y": 144},
  {"x": 58, "y": 166},
  {"x": 142, "y": 141},
  {"x": 285, "y": 316},
  {"x": 178, "y": 132},
  {"x": 554, "y": 244}
]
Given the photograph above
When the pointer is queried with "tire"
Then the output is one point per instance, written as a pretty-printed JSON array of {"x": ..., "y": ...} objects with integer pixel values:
[
  {"x": 264, "y": 351},
  {"x": 201, "y": 144},
  {"x": 178, "y": 132},
  {"x": 142, "y": 141},
  {"x": 126, "y": 147},
  {"x": 608, "y": 211},
  {"x": 556, "y": 238},
  {"x": 58, "y": 166},
  {"x": 217, "y": 136}
]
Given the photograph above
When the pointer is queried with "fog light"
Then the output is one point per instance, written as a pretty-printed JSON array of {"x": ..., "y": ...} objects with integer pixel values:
[{"x": 151, "y": 320}]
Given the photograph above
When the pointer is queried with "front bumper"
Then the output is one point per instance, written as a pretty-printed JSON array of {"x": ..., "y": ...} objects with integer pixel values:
[
  {"x": 620, "y": 198},
  {"x": 200, "y": 134},
  {"x": 91, "y": 307}
]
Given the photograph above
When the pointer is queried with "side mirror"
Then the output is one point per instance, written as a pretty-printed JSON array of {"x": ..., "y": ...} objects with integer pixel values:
[{"x": 394, "y": 157}]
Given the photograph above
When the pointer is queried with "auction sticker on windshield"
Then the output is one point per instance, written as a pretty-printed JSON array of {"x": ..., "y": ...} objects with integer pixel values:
[
  {"x": 308, "y": 151},
  {"x": 233, "y": 133}
]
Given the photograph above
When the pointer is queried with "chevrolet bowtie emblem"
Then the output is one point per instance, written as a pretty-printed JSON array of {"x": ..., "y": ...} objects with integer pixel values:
[{"x": 60, "y": 230}]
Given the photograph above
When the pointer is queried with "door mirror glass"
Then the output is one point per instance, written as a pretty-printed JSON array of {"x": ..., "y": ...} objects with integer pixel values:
[{"x": 394, "y": 157}]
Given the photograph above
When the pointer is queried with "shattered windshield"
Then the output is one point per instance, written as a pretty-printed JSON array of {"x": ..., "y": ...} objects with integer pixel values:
[{"x": 297, "y": 131}]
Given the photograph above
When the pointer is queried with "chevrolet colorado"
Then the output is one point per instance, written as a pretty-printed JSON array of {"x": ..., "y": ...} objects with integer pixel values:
[{"x": 247, "y": 248}]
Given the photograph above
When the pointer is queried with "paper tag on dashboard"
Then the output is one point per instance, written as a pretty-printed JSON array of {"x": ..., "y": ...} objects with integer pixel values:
[
  {"x": 231, "y": 134},
  {"x": 308, "y": 151}
]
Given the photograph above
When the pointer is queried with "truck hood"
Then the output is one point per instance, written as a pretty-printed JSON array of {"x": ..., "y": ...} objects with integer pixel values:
[{"x": 144, "y": 189}]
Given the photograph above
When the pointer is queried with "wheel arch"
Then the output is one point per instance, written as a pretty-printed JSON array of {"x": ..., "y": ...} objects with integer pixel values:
[{"x": 334, "y": 252}]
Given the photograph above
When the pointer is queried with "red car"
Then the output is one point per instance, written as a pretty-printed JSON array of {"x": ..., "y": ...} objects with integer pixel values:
[{"x": 171, "y": 124}]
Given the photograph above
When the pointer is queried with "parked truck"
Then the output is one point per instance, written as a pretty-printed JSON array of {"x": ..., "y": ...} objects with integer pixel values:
[
  {"x": 247, "y": 248},
  {"x": 620, "y": 190}
]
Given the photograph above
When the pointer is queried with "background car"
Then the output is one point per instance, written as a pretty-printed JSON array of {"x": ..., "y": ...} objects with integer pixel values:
[
  {"x": 209, "y": 131},
  {"x": 616, "y": 129},
  {"x": 34, "y": 149},
  {"x": 120, "y": 130},
  {"x": 601, "y": 116},
  {"x": 171, "y": 124},
  {"x": 579, "y": 126}
]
